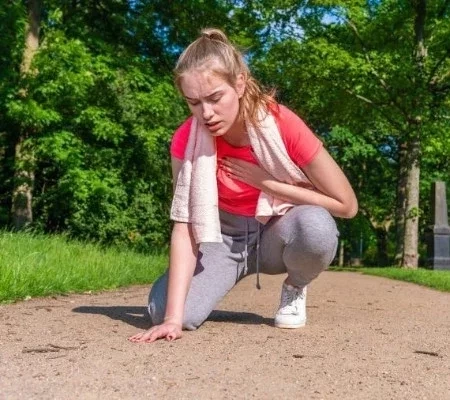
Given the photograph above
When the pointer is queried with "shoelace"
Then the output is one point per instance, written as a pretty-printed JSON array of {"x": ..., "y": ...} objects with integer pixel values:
[{"x": 290, "y": 295}]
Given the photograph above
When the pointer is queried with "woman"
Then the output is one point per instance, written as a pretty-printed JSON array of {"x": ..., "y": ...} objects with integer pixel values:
[{"x": 254, "y": 191}]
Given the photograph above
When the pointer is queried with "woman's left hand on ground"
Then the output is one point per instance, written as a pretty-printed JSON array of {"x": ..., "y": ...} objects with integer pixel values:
[{"x": 244, "y": 171}]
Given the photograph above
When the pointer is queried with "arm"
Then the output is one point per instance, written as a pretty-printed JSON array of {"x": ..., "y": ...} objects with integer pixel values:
[
  {"x": 333, "y": 191},
  {"x": 183, "y": 258},
  {"x": 182, "y": 261}
]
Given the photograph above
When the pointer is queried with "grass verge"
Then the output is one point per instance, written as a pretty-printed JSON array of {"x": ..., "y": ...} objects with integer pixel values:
[
  {"x": 434, "y": 279},
  {"x": 39, "y": 265}
]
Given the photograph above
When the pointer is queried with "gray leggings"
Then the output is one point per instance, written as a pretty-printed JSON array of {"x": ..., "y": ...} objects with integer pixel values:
[{"x": 302, "y": 243}]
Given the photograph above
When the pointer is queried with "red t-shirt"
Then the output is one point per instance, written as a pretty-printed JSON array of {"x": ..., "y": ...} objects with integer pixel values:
[{"x": 237, "y": 197}]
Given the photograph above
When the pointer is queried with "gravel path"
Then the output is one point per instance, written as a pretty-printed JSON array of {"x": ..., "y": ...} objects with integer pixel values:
[{"x": 366, "y": 338}]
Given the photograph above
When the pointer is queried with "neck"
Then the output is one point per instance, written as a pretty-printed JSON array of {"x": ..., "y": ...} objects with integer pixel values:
[{"x": 237, "y": 135}]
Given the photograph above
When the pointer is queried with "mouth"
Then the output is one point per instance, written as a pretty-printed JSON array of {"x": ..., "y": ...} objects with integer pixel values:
[{"x": 212, "y": 126}]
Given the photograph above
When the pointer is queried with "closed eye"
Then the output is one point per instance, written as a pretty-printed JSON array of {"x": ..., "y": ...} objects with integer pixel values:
[{"x": 215, "y": 99}]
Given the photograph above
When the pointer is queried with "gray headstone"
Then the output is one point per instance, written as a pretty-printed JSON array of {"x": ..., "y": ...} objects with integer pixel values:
[
  {"x": 439, "y": 232},
  {"x": 439, "y": 203}
]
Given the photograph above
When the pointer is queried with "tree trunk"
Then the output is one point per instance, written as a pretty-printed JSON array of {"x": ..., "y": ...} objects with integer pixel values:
[
  {"x": 400, "y": 211},
  {"x": 410, "y": 257},
  {"x": 341, "y": 253},
  {"x": 382, "y": 252},
  {"x": 21, "y": 210}
]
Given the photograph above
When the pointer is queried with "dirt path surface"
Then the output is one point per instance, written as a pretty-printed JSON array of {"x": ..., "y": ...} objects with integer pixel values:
[{"x": 366, "y": 338}]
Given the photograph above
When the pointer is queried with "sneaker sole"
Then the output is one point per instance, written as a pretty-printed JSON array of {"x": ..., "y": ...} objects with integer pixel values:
[{"x": 290, "y": 326}]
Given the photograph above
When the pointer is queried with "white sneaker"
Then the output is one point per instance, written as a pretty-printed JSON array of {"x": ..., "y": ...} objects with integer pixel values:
[{"x": 292, "y": 311}]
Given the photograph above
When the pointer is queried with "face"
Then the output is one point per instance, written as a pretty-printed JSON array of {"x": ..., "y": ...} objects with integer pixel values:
[{"x": 212, "y": 100}]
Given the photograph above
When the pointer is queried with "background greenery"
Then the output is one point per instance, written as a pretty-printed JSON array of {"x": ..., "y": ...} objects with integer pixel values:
[{"x": 95, "y": 111}]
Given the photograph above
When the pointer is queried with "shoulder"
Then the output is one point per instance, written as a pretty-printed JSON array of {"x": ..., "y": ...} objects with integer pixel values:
[
  {"x": 286, "y": 118},
  {"x": 180, "y": 139},
  {"x": 184, "y": 128},
  {"x": 300, "y": 141}
]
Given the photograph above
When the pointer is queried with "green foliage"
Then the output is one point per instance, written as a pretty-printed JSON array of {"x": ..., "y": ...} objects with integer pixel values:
[
  {"x": 101, "y": 122},
  {"x": 110, "y": 153}
]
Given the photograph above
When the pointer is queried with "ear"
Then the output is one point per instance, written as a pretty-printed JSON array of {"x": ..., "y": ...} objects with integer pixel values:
[{"x": 240, "y": 85}]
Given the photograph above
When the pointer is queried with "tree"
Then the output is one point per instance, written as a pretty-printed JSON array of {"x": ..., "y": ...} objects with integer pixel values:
[
  {"x": 22, "y": 213},
  {"x": 13, "y": 20}
]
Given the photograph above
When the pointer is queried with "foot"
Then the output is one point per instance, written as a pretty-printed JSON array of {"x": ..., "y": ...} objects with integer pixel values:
[{"x": 292, "y": 311}]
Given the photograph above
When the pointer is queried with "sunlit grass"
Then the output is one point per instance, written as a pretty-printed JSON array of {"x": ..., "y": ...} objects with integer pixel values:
[
  {"x": 435, "y": 279},
  {"x": 38, "y": 265}
]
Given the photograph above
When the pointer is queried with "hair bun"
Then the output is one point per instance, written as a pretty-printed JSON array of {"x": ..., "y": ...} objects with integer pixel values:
[{"x": 215, "y": 34}]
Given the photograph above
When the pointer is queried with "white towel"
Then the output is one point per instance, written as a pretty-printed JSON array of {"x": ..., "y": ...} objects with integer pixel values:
[
  {"x": 196, "y": 198},
  {"x": 272, "y": 155}
]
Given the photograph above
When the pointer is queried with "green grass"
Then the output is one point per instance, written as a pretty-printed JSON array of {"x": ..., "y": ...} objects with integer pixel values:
[
  {"x": 434, "y": 279},
  {"x": 38, "y": 265}
]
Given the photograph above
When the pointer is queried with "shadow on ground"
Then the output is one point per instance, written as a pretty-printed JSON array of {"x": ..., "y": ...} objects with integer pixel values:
[
  {"x": 135, "y": 316},
  {"x": 139, "y": 318},
  {"x": 239, "y": 318}
]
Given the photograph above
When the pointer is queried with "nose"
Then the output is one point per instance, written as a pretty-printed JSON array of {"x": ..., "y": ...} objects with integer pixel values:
[{"x": 207, "y": 111}]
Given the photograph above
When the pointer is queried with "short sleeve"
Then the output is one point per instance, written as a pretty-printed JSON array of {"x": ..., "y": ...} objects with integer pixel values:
[
  {"x": 301, "y": 143},
  {"x": 180, "y": 139}
]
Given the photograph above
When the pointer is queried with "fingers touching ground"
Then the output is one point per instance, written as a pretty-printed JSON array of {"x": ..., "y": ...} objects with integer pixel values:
[{"x": 168, "y": 331}]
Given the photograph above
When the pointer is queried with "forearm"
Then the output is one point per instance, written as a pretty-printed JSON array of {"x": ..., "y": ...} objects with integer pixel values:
[
  {"x": 183, "y": 258},
  {"x": 303, "y": 196}
]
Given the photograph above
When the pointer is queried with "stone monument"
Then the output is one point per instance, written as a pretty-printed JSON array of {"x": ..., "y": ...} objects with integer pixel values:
[{"x": 439, "y": 232}]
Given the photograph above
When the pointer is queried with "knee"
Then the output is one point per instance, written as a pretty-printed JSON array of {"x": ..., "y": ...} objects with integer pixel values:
[
  {"x": 314, "y": 218},
  {"x": 194, "y": 315},
  {"x": 157, "y": 300},
  {"x": 316, "y": 229},
  {"x": 191, "y": 323}
]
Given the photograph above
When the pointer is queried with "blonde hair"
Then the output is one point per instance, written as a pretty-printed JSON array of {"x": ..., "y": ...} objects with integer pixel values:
[{"x": 213, "y": 51}]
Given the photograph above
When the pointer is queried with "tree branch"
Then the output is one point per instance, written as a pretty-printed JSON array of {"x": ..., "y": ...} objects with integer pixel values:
[
  {"x": 420, "y": 7},
  {"x": 365, "y": 99},
  {"x": 385, "y": 223},
  {"x": 378, "y": 107},
  {"x": 374, "y": 72},
  {"x": 434, "y": 79}
]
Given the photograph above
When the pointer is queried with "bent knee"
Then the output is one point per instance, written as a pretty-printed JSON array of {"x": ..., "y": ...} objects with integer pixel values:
[
  {"x": 190, "y": 323},
  {"x": 157, "y": 301},
  {"x": 315, "y": 229},
  {"x": 315, "y": 220}
]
